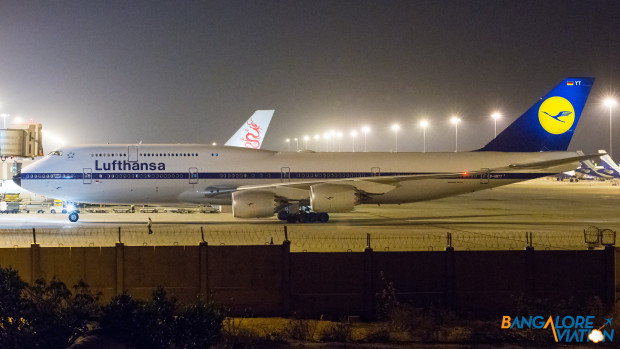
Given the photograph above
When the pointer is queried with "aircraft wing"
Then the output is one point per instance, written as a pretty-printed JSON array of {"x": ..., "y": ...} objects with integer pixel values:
[
  {"x": 552, "y": 163},
  {"x": 383, "y": 184}
]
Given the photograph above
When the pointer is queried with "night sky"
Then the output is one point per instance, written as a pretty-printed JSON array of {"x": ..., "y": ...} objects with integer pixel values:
[{"x": 194, "y": 71}]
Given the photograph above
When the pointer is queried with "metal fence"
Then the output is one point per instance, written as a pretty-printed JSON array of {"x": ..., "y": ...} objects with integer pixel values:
[{"x": 301, "y": 241}]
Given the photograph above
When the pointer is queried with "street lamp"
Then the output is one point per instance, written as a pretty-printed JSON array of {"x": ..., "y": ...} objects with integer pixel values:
[
  {"x": 496, "y": 116},
  {"x": 455, "y": 120},
  {"x": 288, "y": 144},
  {"x": 365, "y": 130},
  {"x": 326, "y": 138},
  {"x": 316, "y": 141},
  {"x": 306, "y": 138},
  {"x": 609, "y": 102},
  {"x": 4, "y": 115},
  {"x": 424, "y": 124},
  {"x": 395, "y": 128},
  {"x": 353, "y": 135}
]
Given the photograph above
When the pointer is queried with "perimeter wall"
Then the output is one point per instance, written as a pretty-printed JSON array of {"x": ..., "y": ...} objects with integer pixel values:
[{"x": 269, "y": 280}]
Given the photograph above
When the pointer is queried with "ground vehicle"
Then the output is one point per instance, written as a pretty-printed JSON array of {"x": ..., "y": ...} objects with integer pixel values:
[
  {"x": 9, "y": 206},
  {"x": 207, "y": 209}
]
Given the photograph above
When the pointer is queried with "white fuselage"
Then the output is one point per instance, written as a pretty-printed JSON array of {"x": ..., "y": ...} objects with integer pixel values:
[{"x": 141, "y": 174}]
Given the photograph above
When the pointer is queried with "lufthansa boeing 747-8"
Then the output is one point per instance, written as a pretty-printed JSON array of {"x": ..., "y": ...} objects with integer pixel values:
[{"x": 261, "y": 183}]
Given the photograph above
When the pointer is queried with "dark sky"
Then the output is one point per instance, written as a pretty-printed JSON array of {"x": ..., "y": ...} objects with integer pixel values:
[{"x": 193, "y": 71}]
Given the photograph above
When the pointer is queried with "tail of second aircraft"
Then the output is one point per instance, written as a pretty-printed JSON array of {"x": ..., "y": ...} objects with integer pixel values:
[
  {"x": 549, "y": 124},
  {"x": 609, "y": 165},
  {"x": 252, "y": 133}
]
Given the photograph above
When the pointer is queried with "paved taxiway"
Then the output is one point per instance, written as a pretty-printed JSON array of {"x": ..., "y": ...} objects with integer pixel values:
[{"x": 545, "y": 207}]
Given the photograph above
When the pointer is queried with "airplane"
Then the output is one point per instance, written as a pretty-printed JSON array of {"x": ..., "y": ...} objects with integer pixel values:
[
  {"x": 609, "y": 166},
  {"x": 261, "y": 183}
]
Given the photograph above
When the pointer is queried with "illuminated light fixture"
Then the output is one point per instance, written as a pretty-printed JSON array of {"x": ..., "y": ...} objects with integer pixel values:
[
  {"x": 424, "y": 125},
  {"x": 365, "y": 130},
  {"x": 395, "y": 128},
  {"x": 288, "y": 144},
  {"x": 353, "y": 134},
  {"x": 609, "y": 102},
  {"x": 455, "y": 120},
  {"x": 496, "y": 116}
]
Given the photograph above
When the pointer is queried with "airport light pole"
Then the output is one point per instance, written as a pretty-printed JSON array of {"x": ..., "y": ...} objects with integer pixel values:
[
  {"x": 288, "y": 144},
  {"x": 353, "y": 135},
  {"x": 424, "y": 124},
  {"x": 4, "y": 115},
  {"x": 365, "y": 130},
  {"x": 326, "y": 137},
  {"x": 316, "y": 141},
  {"x": 496, "y": 116},
  {"x": 339, "y": 135},
  {"x": 455, "y": 120},
  {"x": 610, "y": 102},
  {"x": 395, "y": 128},
  {"x": 306, "y": 138}
]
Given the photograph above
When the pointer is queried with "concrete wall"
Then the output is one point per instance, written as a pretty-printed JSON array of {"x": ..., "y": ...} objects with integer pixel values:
[{"x": 270, "y": 281}]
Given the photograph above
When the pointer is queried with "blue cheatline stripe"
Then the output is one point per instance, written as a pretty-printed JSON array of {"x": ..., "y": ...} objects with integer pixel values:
[{"x": 262, "y": 175}]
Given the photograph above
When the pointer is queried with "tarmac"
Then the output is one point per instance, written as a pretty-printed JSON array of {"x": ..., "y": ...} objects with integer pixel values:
[{"x": 557, "y": 213}]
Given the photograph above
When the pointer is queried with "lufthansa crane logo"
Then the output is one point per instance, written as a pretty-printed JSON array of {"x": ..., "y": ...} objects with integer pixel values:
[{"x": 556, "y": 115}]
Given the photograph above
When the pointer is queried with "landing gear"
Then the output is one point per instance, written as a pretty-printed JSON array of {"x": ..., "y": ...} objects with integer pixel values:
[
  {"x": 74, "y": 216},
  {"x": 304, "y": 215}
]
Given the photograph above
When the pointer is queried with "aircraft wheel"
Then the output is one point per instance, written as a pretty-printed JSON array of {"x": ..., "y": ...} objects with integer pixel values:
[
  {"x": 292, "y": 218},
  {"x": 282, "y": 215},
  {"x": 73, "y": 216},
  {"x": 305, "y": 217},
  {"x": 312, "y": 216},
  {"x": 323, "y": 217},
  {"x": 53, "y": 211}
]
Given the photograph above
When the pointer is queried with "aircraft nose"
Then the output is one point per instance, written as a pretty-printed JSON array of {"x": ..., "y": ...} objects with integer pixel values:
[{"x": 18, "y": 178}]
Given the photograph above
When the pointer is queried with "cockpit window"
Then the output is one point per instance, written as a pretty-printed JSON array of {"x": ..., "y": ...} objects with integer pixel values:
[{"x": 56, "y": 152}]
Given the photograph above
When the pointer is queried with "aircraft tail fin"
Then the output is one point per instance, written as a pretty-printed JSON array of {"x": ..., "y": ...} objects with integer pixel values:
[
  {"x": 609, "y": 164},
  {"x": 549, "y": 124},
  {"x": 252, "y": 132}
]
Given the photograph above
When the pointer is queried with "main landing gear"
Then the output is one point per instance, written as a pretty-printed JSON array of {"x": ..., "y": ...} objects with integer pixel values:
[{"x": 303, "y": 216}]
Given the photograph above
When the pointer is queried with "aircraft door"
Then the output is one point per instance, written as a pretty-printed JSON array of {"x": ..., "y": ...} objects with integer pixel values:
[
  {"x": 375, "y": 172},
  {"x": 88, "y": 176},
  {"x": 132, "y": 153},
  {"x": 484, "y": 176},
  {"x": 193, "y": 175},
  {"x": 285, "y": 174}
]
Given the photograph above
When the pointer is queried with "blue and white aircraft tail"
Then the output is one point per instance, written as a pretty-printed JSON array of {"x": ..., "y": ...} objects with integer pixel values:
[
  {"x": 609, "y": 165},
  {"x": 549, "y": 124},
  {"x": 252, "y": 133}
]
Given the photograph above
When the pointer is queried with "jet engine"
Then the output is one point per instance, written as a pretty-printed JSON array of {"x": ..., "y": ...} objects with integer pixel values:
[
  {"x": 333, "y": 197},
  {"x": 254, "y": 204}
]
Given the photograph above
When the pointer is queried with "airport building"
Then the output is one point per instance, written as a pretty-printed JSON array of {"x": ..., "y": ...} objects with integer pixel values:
[{"x": 18, "y": 142}]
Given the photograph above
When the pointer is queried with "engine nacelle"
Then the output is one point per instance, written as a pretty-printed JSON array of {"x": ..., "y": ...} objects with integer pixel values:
[
  {"x": 254, "y": 204},
  {"x": 333, "y": 198}
]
